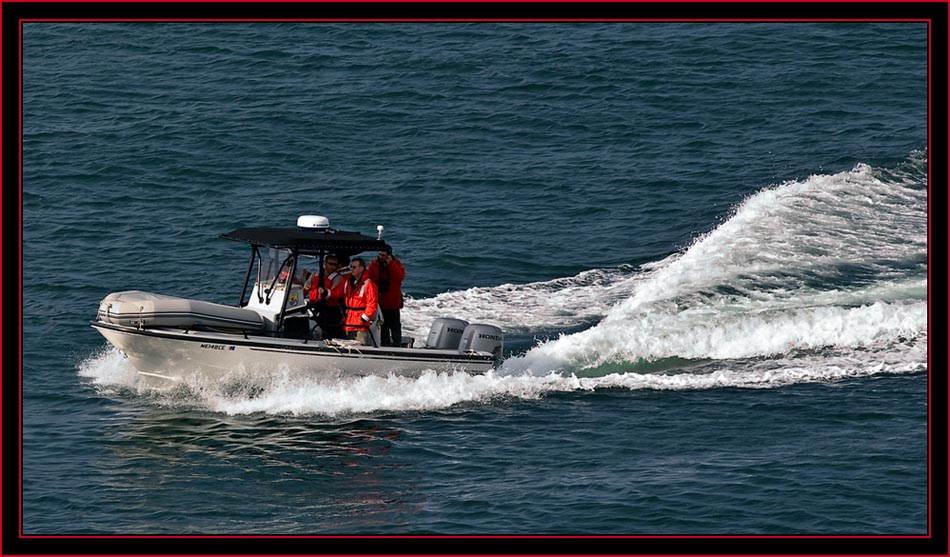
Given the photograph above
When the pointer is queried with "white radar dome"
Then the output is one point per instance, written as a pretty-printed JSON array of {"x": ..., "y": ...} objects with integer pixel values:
[{"x": 313, "y": 222}]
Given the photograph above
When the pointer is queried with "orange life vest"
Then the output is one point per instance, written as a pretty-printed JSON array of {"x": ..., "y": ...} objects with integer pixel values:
[
  {"x": 332, "y": 283},
  {"x": 360, "y": 300}
]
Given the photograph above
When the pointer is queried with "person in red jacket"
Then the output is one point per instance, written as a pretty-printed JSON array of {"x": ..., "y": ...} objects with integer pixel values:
[
  {"x": 388, "y": 273},
  {"x": 329, "y": 298},
  {"x": 360, "y": 300}
]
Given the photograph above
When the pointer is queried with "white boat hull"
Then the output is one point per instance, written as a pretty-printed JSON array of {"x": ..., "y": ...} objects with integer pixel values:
[{"x": 168, "y": 355}]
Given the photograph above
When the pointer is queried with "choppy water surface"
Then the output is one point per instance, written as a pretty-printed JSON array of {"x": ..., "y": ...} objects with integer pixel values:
[{"x": 709, "y": 259}]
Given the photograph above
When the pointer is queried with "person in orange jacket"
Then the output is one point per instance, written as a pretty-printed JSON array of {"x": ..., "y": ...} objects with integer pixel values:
[
  {"x": 329, "y": 298},
  {"x": 388, "y": 273},
  {"x": 360, "y": 301}
]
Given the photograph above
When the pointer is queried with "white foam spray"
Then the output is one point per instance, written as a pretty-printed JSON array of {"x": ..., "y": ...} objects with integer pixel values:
[
  {"x": 548, "y": 305},
  {"x": 772, "y": 279},
  {"x": 286, "y": 394}
]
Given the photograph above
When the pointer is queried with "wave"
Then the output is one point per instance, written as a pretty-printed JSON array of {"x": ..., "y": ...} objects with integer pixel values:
[
  {"x": 701, "y": 334},
  {"x": 834, "y": 260},
  {"x": 549, "y": 305}
]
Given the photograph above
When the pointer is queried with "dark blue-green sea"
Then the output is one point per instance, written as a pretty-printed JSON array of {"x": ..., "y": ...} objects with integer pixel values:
[{"x": 706, "y": 245}]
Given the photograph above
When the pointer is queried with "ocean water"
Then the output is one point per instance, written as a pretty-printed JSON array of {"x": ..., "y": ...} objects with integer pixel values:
[{"x": 707, "y": 245}]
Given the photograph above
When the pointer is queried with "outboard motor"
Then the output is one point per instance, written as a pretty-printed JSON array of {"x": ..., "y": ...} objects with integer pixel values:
[
  {"x": 446, "y": 332},
  {"x": 481, "y": 337}
]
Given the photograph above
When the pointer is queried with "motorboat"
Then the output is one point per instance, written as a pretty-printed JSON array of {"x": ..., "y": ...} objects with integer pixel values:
[{"x": 169, "y": 339}]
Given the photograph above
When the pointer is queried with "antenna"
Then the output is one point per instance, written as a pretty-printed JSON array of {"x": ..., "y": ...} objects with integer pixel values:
[{"x": 379, "y": 230}]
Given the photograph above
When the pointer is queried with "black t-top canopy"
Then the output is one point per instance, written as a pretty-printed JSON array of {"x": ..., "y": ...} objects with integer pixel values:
[{"x": 308, "y": 242}]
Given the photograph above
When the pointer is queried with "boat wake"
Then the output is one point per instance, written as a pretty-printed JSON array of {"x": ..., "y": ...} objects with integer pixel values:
[
  {"x": 830, "y": 262},
  {"x": 816, "y": 280}
]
